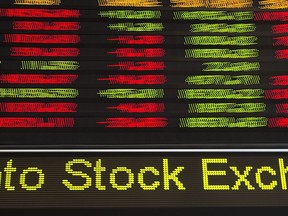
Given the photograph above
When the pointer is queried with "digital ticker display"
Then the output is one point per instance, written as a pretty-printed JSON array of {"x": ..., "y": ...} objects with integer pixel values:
[
  {"x": 149, "y": 73},
  {"x": 143, "y": 104},
  {"x": 74, "y": 180}
]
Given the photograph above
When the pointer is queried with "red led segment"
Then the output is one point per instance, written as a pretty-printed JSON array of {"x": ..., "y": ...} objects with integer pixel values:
[
  {"x": 271, "y": 16},
  {"x": 38, "y": 107},
  {"x": 135, "y": 122},
  {"x": 38, "y": 38},
  {"x": 48, "y": 26},
  {"x": 135, "y": 79},
  {"x": 137, "y": 53},
  {"x": 282, "y": 108},
  {"x": 281, "y": 54},
  {"x": 19, "y": 122},
  {"x": 139, "y": 107},
  {"x": 139, "y": 66},
  {"x": 33, "y": 51},
  {"x": 41, "y": 13},
  {"x": 38, "y": 79},
  {"x": 140, "y": 39},
  {"x": 279, "y": 80},
  {"x": 278, "y": 122},
  {"x": 281, "y": 41},
  {"x": 276, "y": 94},
  {"x": 279, "y": 29}
]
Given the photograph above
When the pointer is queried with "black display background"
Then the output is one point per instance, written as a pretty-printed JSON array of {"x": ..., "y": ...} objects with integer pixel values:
[{"x": 87, "y": 135}]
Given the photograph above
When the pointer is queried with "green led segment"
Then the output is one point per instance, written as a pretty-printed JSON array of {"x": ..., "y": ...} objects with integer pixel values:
[
  {"x": 221, "y": 53},
  {"x": 130, "y": 14},
  {"x": 50, "y": 65},
  {"x": 223, "y": 122},
  {"x": 38, "y": 93},
  {"x": 138, "y": 27},
  {"x": 231, "y": 66},
  {"x": 223, "y": 80},
  {"x": 213, "y": 15},
  {"x": 222, "y": 28},
  {"x": 220, "y": 93},
  {"x": 220, "y": 40},
  {"x": 226, "y": 107},
  {"x": 131, "y": 93}
]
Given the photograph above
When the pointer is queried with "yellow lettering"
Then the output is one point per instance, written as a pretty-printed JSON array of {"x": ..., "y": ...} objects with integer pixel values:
[
  {"x": 242, "y": 178},
  {"x": 8, "y": 170},
  {"x": 206, "y": 173},
  {"x": 69, "y": 170},
  {"x": 283, "y": 171},
  {"x": 143, "y": 185},
  {"x": 172, "y": 176},
  {"x": 268, "y": 169},
  {"x": 40, "y": 178},
  {"x": 98, "y": 179},
  {"x": 113, "y": 178}
]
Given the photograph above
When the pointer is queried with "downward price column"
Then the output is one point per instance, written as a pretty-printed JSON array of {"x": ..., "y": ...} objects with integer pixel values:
[
  {"x": 138, "y": 65},
  {"x": 275, "y": 15},
  {"x": 45, "y": 73}
]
